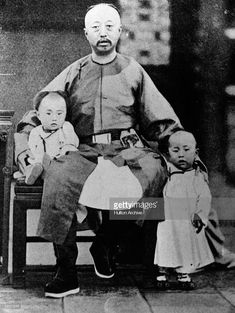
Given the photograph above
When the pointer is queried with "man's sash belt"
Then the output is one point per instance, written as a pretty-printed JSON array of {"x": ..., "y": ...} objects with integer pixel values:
[{"x": 105, "y": 138}]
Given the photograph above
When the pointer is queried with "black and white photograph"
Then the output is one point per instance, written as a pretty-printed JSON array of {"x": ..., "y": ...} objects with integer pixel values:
[{"x": 117, "y": 156}]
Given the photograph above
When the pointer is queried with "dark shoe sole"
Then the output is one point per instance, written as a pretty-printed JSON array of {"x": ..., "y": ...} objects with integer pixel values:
[
  {"x": 62, "y": 294},
  {"x": 102, "y": 275},
  {"x": 174, "y": 285},
  {"x": 162, "y": 285},
  {"x": 93, "y": 252}
]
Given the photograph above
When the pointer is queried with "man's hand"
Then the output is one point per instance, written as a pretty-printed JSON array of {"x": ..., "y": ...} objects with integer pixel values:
[
  {"x": 197, "y": 223},
  {"x": 22, "y": 158}
]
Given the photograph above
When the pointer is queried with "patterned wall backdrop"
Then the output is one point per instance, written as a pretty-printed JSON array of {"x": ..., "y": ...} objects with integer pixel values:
[{"x": 146, "y": 32}]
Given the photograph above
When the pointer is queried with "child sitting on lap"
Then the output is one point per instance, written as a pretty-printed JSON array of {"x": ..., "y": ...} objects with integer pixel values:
[
  {"x": 181, "y": 242},
  {"x": 54, "y": 136}
]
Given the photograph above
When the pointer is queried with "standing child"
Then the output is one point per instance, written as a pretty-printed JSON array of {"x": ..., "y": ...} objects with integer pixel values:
[
  {"x": 181, "y": 242},
  {"x": 54, "y": 136}
]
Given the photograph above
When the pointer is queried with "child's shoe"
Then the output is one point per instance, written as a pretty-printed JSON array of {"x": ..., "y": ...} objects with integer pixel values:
[
  {"x": 162, "y": 282},
  {"x": 32, "y": 173},
  {"x": 185, "y": 282},
  {"x": 18, "y": 175},
  {"x": 162, "y": 277}
]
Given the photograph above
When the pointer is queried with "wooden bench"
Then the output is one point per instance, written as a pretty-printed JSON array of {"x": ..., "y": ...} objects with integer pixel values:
[{"x": 26, "y": 198}]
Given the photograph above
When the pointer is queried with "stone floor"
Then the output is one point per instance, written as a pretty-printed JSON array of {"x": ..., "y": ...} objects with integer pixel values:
[{"x": 131, "y": 290}]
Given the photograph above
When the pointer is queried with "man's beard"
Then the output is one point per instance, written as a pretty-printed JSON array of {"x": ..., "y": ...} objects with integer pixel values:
[{"x": 103, "y": 52}]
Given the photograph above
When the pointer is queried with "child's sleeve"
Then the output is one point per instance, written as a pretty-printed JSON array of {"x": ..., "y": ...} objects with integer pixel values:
[
  {"x": 203, "y": 204},
  {"x": 32, "y": 141},
  {"x": 70, "y": 136}
]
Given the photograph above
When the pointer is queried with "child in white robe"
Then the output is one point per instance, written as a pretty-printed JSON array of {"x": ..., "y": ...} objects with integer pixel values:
[{"x": 181, "y": 242}]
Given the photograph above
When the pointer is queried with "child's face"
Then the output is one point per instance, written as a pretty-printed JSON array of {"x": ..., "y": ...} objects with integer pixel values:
[
  {"x": 182, "y": 150},
  {"x": 52, "y": 112}
]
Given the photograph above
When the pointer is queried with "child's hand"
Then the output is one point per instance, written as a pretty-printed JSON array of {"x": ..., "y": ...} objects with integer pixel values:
[
  {"x": 67, "y": 148},
  {"x": 197, "y": 223}
]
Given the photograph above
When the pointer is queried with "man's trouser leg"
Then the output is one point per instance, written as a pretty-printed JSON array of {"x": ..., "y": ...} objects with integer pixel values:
[
  {"x": 66, "y": 254},
  {"x": 101, "y": 248},
  {"x": 105, "y": 243},
  {"x": 65, "y": 281}
]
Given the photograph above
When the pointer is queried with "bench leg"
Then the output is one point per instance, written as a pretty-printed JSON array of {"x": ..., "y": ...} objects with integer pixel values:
[{"x": 19, "y": 244}]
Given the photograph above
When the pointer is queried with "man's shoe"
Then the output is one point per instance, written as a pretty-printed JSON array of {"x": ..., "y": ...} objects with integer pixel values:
[
  {"x": 103, "y": 264},
  {"x": 59, "y": 288}
]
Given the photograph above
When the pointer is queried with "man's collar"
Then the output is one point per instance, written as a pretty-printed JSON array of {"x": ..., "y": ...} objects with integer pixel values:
[{"x": 98, "y": 61}]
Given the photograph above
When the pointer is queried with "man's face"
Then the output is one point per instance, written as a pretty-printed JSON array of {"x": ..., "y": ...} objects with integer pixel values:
[
  {"x": 52, "y": 112},
  {"x": 102, "y": 29},
  {"x": 182, "y": 150}
]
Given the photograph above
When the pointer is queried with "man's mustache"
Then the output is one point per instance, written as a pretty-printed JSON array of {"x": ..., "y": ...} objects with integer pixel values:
[{"x": 104, "y": 40}]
